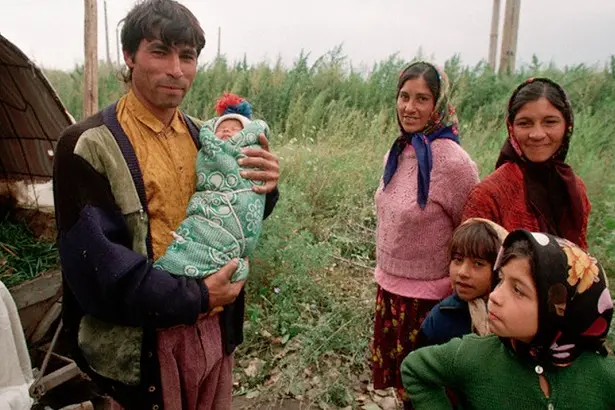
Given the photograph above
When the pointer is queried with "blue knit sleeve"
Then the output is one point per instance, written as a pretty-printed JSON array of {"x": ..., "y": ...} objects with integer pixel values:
[{"x": 113, "y": 283}]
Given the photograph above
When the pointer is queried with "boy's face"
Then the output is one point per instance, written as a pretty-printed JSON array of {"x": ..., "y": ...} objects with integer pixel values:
[
  {"x": 228, "y": 128},
  {"x": 513, "y": 305},
  {"x": 470, "y": 277}
]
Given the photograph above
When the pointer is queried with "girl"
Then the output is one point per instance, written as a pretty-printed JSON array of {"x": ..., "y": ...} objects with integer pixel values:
[
  {"x": 426, "y": 181},
  {"x": 550, "y": 315},
  {"x": 472, "y": 252},
  {"x": 532, "y": 187}
]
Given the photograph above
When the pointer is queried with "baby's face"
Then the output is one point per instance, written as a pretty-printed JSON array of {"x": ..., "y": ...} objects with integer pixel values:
[{"x": 228, "y": 128}]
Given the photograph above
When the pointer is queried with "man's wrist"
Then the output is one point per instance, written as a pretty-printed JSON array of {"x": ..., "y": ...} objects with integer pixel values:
[{"x": 204, "y": 296}]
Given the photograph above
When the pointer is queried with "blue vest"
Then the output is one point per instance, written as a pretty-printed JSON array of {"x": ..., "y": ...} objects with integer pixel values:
[{"x": 448, "y": 319}]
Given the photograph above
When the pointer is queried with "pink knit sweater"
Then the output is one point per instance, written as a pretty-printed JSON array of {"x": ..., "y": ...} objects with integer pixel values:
[{"x": 411, "y": 243}]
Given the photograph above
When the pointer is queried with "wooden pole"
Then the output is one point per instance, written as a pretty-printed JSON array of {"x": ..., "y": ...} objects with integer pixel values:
[
  {"x": 219, "y": 36},
  {"x": 514, "y": 34},
  {"x": 505, "y": 37},
  {"x": 493, "y": 38},
  {"x": 90, "y": 74},
  {"x": 117, "y": 43},
  {"x": 509, "y": 36},
  {"x": 107, "y": 34}
]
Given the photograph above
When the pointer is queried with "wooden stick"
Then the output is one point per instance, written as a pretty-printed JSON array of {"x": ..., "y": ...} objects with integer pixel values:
[
  {"x": 353, "y": 263},
  {"x": 509, "y": 36},
  {"x": 7, "y": 249},
  {"x": 107, "y": 34},
  {"x": 363, "y": 228},
  {"x": 86, "y": 405},
  {"x": 90, "y": 74},
  {"x": 493, "y": 37},
  {"x": 514, "y": 34}
]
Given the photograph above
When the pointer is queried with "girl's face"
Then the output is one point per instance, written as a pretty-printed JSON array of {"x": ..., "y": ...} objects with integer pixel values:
[
  {"x": 539, "y": 128},
  {"x": 513, "y": 305},
  {"x": 415, "y": 103},
  {"x": 471, "y": 277}
]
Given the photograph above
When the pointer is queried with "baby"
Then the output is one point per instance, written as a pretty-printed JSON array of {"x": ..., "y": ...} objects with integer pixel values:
[{"x": 224, "y": 216}]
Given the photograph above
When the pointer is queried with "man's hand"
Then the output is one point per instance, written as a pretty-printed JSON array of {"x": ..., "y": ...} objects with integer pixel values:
[
  {"x": 267, "y": 162},
  {"x": 221, "y": 290}
]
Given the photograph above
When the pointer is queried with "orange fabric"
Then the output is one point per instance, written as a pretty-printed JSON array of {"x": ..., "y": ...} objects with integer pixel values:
[{"x": 167, "y": 157}]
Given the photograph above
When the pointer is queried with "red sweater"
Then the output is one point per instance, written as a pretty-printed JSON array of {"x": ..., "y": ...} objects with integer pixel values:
[{"x": 501, "y": 197}]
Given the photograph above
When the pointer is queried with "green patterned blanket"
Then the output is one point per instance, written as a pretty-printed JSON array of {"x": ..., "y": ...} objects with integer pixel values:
[{"x": 224, "y": 216}]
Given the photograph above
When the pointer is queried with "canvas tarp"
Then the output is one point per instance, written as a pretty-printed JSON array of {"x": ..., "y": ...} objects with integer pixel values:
[{"x": 31, "y": 117}]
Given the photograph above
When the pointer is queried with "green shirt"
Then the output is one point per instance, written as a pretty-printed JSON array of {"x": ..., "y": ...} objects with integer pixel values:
[{"x": 484, "y": 374}]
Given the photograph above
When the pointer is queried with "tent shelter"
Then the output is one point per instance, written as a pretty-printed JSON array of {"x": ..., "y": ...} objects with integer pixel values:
[{"x": 31, "y": 120}]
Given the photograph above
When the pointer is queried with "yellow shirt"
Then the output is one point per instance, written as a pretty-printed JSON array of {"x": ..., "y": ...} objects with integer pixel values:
[{"x": 167, "y": 158}]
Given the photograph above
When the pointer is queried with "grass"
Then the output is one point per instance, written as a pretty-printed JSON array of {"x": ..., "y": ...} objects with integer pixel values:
[
  {"x": 22, "y": 256},
  {"x": 311, "y": 293}
]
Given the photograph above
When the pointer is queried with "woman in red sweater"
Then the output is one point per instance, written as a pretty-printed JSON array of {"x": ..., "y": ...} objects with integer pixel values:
[{"x": 532, "y": 187}]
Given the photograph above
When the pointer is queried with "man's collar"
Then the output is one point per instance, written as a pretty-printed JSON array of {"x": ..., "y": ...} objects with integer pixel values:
[{"x": 145, "y": 116}]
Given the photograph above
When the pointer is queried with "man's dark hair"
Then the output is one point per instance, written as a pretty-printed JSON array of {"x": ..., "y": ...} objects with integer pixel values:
[{"x": 164, "y": 20}]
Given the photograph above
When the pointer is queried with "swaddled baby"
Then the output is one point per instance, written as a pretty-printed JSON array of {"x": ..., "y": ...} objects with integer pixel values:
[{"x": 224, "y": 216}]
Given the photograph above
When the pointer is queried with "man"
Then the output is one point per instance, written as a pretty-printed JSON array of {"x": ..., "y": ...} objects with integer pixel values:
[{"x": 122, "y": 180}]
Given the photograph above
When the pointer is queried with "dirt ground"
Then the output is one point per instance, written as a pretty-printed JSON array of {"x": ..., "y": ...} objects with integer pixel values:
[
  {"x": 75, "y": 392},
  {"x": 242, "y": 403},
  {"x": 80, "y": 390}
]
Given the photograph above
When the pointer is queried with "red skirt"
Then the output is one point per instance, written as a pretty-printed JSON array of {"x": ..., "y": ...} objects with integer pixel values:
[{"x": 396, "y": 326}]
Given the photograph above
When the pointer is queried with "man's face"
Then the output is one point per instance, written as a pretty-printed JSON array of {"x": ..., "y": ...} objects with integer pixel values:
[{"x": 162, "y": 74}]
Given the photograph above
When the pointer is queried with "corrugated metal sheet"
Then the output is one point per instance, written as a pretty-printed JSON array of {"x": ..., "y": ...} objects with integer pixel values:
[{"x": 31, "y": 117}]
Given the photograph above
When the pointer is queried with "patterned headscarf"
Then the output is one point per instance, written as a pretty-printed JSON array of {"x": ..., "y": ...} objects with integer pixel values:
[
  {"x": 575, "y": 308},
  {"x": 442, "y": 124},
  {"x": 551, "y": 186}
]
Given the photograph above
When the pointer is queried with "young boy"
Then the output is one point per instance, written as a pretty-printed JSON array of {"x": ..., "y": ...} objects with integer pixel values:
[
  {"x": 224, "y": 216},
  {"x": 472, "y": 253},
  {"x": 550, "y": 314}
]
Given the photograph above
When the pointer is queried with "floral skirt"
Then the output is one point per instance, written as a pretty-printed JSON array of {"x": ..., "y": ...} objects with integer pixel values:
[{"x": 396, "y": 326}]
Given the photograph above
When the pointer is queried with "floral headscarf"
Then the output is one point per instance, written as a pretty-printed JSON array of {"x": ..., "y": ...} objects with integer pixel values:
[
  {"x": 552, "y": 192},
  {"x": 575, "y": 307},
  {"x": 442, "y": 124}
]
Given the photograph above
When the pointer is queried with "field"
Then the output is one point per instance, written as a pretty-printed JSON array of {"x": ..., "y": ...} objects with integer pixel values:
[{"x": 311, "y": 293}]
